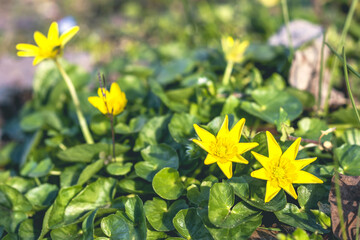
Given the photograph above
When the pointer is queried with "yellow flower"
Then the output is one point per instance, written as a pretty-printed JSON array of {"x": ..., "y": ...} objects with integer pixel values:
[
  {"x": 281, "y": 170},
  {"x": 269, "y": 3},
  {"x": 47, "y": 47},
  {"x": 234, "y": 49},
  {"x": 224, "y": 149},
  {"x": 109, "y": 103}
]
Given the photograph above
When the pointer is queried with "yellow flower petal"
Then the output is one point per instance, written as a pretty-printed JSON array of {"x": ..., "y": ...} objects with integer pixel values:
[
  {"x": 273, "y": 147},
  {"x": 235, "y": 132},
  {"x": 224, "y": 129},
  {"x": 210, "y": 159},
  {"x": 66, "y": 36},
  {"x": 291, "y": 153},
  {"x": 260, "y": 174},
  {"x": 27, "y": 47},
  {"x": 53, "y": 34},
  {"x": 271, "y": 191},
  {"x": 226, "y": 168},
  {"x": 26, "y": 54},
  {"x": 300, "y": 164},
  {"x": 244, "y": 147},
  {"x": 305, "y": 177},
  {"x": 37, "y": 60},
  {"x": 264, "y": 161},
  {"x": 203, "y": 145},
  {"x": 98, "y": 103},
  {"x": 115, "y": 90},
  {"x": 239, "y": 159},
  {"x": 243, "y": 46},
  {"x": 203, "y": 134},
  {"x": 40, "y": 39},
  {"x": 290, "y": 190}
]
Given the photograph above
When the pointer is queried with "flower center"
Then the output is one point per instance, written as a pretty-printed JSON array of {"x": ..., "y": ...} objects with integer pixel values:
[
  {"x": 224, "y": 149},
  {"x": 279, "y": 175}
]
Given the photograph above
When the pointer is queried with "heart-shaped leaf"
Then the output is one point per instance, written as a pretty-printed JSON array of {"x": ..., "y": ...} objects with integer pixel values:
[{"x": 167, "y": 184}]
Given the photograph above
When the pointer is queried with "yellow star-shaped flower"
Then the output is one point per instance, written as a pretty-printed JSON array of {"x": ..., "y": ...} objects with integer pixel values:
[
  {"x": 47, "y": 47},
  {"x": 224, "y": 149},
  {"x": 109, "y": 103},
  {"x": 234, "y": 49},
  {"x": 281, "y": 170}
]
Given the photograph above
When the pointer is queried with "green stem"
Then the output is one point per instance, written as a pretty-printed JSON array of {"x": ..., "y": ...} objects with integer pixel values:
[
  {"x": 321, "y": 72},
  {"x": 341, "y": 44},
  {"x": 348, "y": 86},
  {"x": 285, "y": 12},
  {"x": 113, "y": 135},
  {"x": 227, "y": 74},
  {"x": 81, "y": 118},
  {"x": 338, "y": 201}
]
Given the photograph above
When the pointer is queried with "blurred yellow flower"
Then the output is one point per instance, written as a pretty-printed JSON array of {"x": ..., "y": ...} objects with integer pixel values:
[
  {"x": 281, "y": 170},
  {"x": 47, "y": 47},
  {"x": 224, "y": 149},
  {"x": 269, "y": 3},
  {"x": 234, "y": 49},
  {"x": 109, "y": 103}
]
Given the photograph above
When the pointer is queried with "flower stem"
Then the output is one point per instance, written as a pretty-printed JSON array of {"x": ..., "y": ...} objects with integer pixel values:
[
  {"x": 113, "y": 135},
  {"x": 348, "y": 86},
  {"x": 81, "y": 118},
  {"x": 227, "y": 74},
  {"x": 285, "y": 12},
  {"x": 341, "y": 44}
]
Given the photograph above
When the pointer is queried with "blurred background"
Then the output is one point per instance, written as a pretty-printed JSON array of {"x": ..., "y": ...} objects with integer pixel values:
[{"x": 144, "y": 31}]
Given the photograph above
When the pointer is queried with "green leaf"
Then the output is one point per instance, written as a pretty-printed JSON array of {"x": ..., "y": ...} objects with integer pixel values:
[
  {"x": 34, "y": 169},
  {"x": 70, "y": 175},
  {"x": 42, "y": 196},
  {"x": 151, "y": 133},
  {"x": 21, "y": 184},
  {"x": 160, "y": 215},
  {"x": 90, "y": 171},
  {"x": 155, "y": 235},
  {"x": 222, "y": 211},
  {"x": 231, "y": 106},
  {"x": 128, "y": 225},
  {"x": 27, "y": 230},
  {"x": 201, "y": 197},
  {"x": 88, "y": 226},
  {"x": 45, "y": 225},
  {"x": 241, "y": 232},
  {"x": 95, "y": 195},
  {"x": 135, "y": 125},
  {"x": 252, "y": 191},
  {"x": 346, "y": 116},
  {"x": 350, "y": 164},
  {"x": 189, "y": 225},
  {"x": 71, "y": 232},
  {"x": 311, "y": 128},
  {"x": 171, "y": 71},
  {"x": 119, "y": 169},
  {"x": 37, "y": 120},
  {"x": 167, "y": 184},
  {"x": 310, "y": 194},
  {"x": 156, "y": 158},
  {"x": 137, "y": 186},
  {"x": 352, "y": 136},
  {"x": 86, "y": 152},
  {"x": 100, "y": 124},
  {"x": 181, "y": 127},
  {"x": 268, "y": 103},
  {"x": 292, "y": 216}
]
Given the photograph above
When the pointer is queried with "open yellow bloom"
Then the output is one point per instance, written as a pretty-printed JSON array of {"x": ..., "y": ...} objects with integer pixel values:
[
  {"x": 224, "y": 149},
  {"x": 281, "y": 170},
  {"x": 269, "y": 3},
  {"x": 234, "y": 49},
  {"x": 47, "y": 47},
  {"x": 109, "y": 103}
]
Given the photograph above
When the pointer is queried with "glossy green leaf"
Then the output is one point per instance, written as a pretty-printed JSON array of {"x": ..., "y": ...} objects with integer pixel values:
[
  {"x": 28, "y": 230},
  {"x": 70, "y": 232},
  {"x": 70, "y": 175},
  {"x": 200, "y": 196},
  {"x": 88, "y": 226},
  {"x": 37, "y": 169},
  {"x": 156, "y": 158},
  {"x": 21, "y": 184},
  {"x": 310, "y": 194},
  {"x": 167, "y": 184},
  {"x": 119, "y": 169},
  {"x": 171, "y": 71},
  {"x": 189, "y": 225},
  {"x": 268, "y": 103},
  {"x": 252, "y": 191},
  {"x": 135, "y": 125},
  {"x": 137, "y": 186},
  {"x": 181, "y": 127},
  {"x": 89, "y": 171},
  {"x": 345, "y": 155},
  {"x": 160, "y": 215},
  {"x": 42, "y": 196},
  {"x": 45, "y": 224},
  {"x": 292, "y": 216},
  {"x": 311, "y": 128},
  {"x": 222, "y": 211}
]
